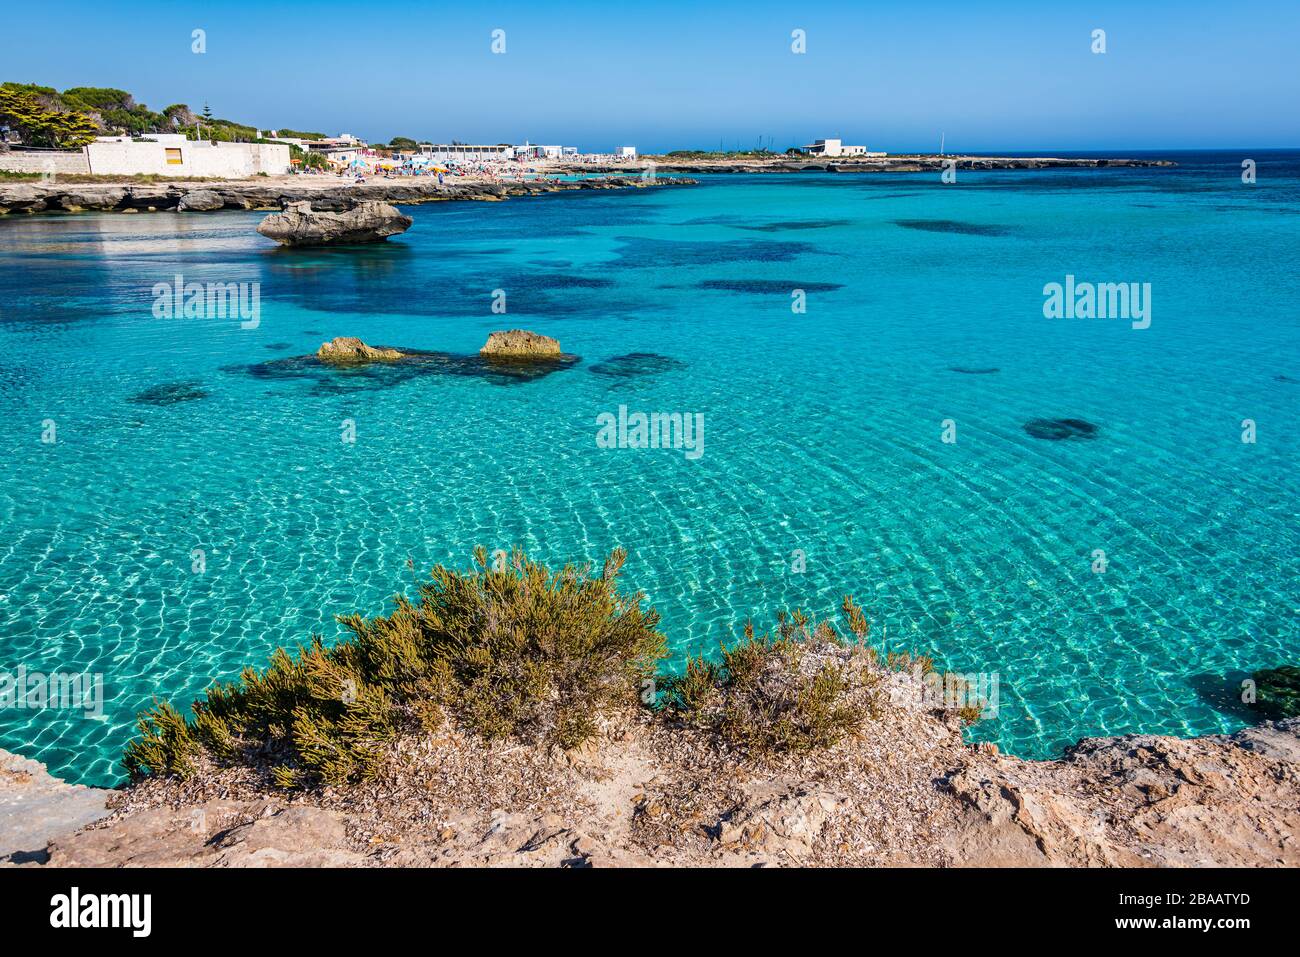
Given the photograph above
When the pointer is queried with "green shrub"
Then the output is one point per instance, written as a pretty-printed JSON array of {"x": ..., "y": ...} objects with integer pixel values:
[
  {"x": 514, "y": 650},
  {"x": 803, "y": 689}
]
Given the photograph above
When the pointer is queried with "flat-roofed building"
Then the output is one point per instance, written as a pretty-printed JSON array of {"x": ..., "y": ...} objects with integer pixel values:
[
  {"x": 335, "y": 154},
  {"x": 171, "y": 154},
  {"x": 835, "y": 147},
  {"x": 466, "y": 152}
]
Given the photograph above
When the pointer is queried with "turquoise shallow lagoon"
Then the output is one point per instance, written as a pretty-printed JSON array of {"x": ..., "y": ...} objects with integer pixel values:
[{"x": 822, "y": 432}]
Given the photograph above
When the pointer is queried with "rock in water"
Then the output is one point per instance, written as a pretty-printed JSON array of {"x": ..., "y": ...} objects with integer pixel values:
[
  {"x": 1060, "y": 429},
  {"x": 300, "y": 225},
  {"x": 520, "y": 344},
  {"x": 346, "y": 349},
  {"x": 204, "y": 200}
]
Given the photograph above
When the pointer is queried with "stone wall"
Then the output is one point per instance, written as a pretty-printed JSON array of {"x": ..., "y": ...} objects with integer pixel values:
[{"x": 70, "y": 161}]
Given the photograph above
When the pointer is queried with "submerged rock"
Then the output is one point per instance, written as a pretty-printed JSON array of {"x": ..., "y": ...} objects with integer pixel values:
[
  {"x": 953, "y": 226},
  {"x": 349, "y": 349},
  {"x": 300, "y": 225},
  {"x": 635, "y": 364},
  {"x": 1058, "y": 429},
  {"x": 520, "y": 344},
  {"x": 1277, "y": 691},
  {"x": 781, "y": 287},
  {"x": 170, "y": 394}
]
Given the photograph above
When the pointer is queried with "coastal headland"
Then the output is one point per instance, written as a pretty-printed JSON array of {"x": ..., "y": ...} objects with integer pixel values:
[{"x": 325, "y": 193}]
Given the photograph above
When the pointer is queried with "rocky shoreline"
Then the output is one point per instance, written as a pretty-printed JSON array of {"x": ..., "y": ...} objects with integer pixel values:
[
  {"x": 900, "y": 163},
  {"x": 909, "y": 792},
  {"x": 273, "y": 194}
]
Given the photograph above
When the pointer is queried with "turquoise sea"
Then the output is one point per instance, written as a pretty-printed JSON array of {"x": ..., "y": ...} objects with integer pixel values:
[{"x": 823, "y": 432}]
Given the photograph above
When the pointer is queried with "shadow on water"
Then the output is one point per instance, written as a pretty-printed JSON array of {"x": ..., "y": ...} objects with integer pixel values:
[
  {"x": 776, "y": 286},
  {"x": 638, "y": 253},
  {"x": 170, "y": 393},
  {"x": 1058, "y": 430},
  {"x": 778, "y": 226},
  {"x": 391, "y": 278},
  {"x": 635, "y": 365},
  {"x": 324, "y": 379},
  {"x": 1223, "y": 693},
  {"x": 954, "y": 226}
]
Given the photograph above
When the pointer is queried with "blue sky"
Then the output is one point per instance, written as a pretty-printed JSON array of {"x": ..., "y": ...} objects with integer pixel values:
[{"x": 662, "y": 75}]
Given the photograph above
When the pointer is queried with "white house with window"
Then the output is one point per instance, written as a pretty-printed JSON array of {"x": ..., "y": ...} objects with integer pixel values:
[
  {"x": 171, "y": 154},
  {"x": 835, "y": 147}
]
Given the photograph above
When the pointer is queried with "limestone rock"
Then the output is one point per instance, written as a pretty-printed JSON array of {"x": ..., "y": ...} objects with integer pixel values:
[
  {"x": 520, "y": 344},
  {"x": 349, "y": 349},
  {"x": 300, "y": 225},
  {"x": 293, "y": 837},
  {"x": 1137, "y": 800},
  {"x": 91, "y": 197},
  {"x": 36, "y": 807},
  {"x": 23, "y": 198},
  {"x": 203, "y": 200},
  {"x": 202, "y": 836},
  {"x": 789, "y": 822}
]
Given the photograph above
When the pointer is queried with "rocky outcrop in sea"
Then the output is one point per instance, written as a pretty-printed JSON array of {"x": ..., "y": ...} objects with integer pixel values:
[
  {"x": 520, "y": 344},
  {"x": 346, "y": 350},
  {"x": 301, "y": 225}
]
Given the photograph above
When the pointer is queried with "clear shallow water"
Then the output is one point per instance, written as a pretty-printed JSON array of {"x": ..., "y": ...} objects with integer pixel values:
[{"x": 822, "y": 432}]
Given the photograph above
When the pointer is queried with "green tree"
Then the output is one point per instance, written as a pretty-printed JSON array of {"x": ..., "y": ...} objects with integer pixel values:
[
  {"x": 98, "y": 98},
  {"x": 299, "y": 134},
  {"x": 24, "y": 113}
]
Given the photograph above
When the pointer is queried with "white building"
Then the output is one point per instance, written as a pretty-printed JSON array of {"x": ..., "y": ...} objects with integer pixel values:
[
  {"x": 465, "y": 152},
  {"x": 835, "y": 147},
  {"x": 534, "y": 151},
  {"x": 335, "y": 154},
  {"x": 171, "y": 154},
  {"x": 627, "y": 152}
]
